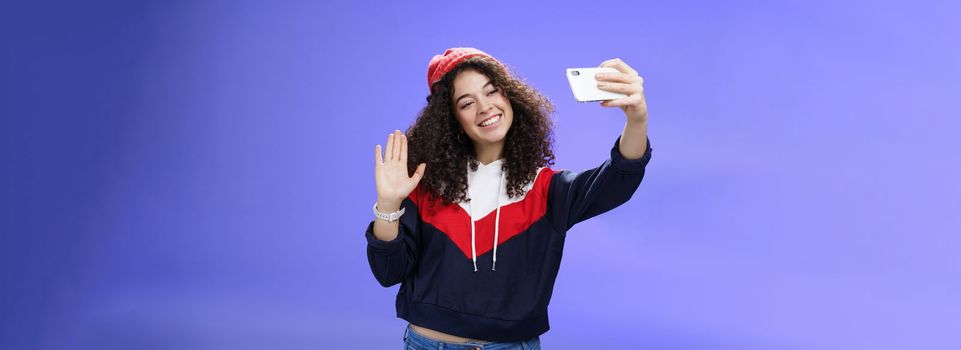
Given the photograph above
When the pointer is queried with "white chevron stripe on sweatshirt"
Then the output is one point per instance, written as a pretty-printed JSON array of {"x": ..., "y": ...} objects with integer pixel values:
[{"x": 482, "y": 189}]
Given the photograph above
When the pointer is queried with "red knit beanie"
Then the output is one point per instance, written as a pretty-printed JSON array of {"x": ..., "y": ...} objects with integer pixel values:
[{"x": 443, "y": 64}]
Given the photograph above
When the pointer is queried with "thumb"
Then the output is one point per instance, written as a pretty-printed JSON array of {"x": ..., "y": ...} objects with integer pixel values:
[{"x": 419, "y": 172}]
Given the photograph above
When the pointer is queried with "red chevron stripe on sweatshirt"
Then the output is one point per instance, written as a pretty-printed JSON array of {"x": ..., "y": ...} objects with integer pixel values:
[{"x": 515, "y": 219}]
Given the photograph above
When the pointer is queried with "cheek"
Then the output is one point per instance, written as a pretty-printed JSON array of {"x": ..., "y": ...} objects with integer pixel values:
[
  {"x": 507, "y": 108},
  {"x": 506, "y": 103},
  {"x": 463, "y": 121}
]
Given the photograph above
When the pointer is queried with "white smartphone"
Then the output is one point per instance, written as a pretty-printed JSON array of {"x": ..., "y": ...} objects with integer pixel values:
[{"x": 584, "y": 85}]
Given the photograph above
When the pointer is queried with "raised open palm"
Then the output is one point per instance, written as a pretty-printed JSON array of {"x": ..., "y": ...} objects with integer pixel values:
[{"x": 390, "y": 170}]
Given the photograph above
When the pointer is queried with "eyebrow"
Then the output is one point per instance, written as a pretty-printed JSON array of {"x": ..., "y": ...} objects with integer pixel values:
[{"x": 465, "y": 95}]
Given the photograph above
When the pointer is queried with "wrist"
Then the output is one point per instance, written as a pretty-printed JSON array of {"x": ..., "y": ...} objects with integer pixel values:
[
  {"x": 637, "y": 118},
  {"x": 387, "y": 205},
  {"x": 636, "y": 114},
  {"x": 390, "y": 216}
]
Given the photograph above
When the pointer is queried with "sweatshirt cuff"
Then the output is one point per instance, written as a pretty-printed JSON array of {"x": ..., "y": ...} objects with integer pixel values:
[
  {"x": 624, "y": 165},
  {"x": 380, "y": 246}
]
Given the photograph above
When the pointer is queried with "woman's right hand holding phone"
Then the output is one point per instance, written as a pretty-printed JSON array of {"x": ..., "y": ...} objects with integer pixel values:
[{"x": 390, "y": 173}]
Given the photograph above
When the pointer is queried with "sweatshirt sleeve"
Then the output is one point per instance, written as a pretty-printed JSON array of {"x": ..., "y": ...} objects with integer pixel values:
[
  {"x": 575, "y": 197},
  {"x": 392, "y": 261}
]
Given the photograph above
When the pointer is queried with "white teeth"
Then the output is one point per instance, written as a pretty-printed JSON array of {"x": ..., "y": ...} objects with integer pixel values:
[{"x": 490, "y": 121}]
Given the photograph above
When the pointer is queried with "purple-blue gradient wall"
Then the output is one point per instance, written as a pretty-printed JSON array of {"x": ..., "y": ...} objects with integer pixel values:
[{"x": 198, "y": 174}]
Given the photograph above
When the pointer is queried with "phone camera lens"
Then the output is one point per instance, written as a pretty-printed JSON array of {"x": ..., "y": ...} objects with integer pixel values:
[{"x": 575, "y": 73}]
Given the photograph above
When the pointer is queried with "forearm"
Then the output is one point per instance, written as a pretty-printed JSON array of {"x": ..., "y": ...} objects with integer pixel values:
[{"x": 633, "y": 142}]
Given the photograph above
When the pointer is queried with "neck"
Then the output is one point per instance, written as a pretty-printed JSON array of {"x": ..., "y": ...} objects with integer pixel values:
[{"x": 489, "y": 152}]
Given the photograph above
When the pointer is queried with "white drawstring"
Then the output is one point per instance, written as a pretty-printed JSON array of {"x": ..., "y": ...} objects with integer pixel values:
[
  {"x": 473, "y": 248},
  {"x": 497, "y": 220}
]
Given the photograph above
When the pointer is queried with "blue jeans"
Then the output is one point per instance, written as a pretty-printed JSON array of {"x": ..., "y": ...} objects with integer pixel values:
[{"x": 415, "y": 341}]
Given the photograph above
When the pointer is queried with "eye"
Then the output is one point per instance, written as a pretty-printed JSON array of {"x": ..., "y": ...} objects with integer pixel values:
[
  {"x": 466, "y": 104},
  {"x": 492, "y": 92}
]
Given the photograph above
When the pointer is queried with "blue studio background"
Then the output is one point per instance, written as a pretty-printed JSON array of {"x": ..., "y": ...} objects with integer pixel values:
[{"x": 198, "y": 174}]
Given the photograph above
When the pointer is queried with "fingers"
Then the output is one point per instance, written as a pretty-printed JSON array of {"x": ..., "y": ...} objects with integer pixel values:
[
  {"x": 388, "y": 155},
  {"x": 612, "y": 103},
  {"x": 419, "y": 172},
  {"x": 616, "y": 63},
  {"x": 403, "y": 148},
  {"x": 617, "y": 77},
  {"x": 396, "y": 148},
  {"x": 395, "y": 152},
  {"x": 378, "y": 157},
  {"x": 627, "y": 89},
  {"x": 621, "y": 102}
]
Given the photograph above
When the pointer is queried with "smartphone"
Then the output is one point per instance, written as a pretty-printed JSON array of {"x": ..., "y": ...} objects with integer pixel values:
[{"x": 584, "y": 85}]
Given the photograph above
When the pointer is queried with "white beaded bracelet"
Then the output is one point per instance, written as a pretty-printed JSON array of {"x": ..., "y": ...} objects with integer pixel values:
[{"x": 389, "y": 217}]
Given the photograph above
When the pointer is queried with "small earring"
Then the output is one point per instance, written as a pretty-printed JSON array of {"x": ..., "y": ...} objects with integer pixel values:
[{"x": 459, "y": 139}]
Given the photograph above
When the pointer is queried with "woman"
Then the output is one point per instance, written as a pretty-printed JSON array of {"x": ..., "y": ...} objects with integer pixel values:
[{"x": 475, "y": 234}]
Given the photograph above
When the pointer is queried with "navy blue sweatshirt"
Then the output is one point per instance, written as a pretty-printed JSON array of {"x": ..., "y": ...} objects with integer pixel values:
[{"x": 485, "y": 268}]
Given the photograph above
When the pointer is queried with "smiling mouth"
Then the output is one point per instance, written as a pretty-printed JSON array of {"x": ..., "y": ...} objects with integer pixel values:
[{"x": 490, "y": 121}]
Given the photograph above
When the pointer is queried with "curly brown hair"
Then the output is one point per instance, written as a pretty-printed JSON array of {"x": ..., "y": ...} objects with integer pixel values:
[{"x": 436, "y": 138}]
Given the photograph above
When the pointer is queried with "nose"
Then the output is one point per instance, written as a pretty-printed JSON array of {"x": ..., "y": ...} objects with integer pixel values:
[{"x": 484, "y": 105}]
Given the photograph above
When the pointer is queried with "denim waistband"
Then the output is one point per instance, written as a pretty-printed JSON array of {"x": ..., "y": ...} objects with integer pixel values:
[{"x": 419, "y": 341}]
